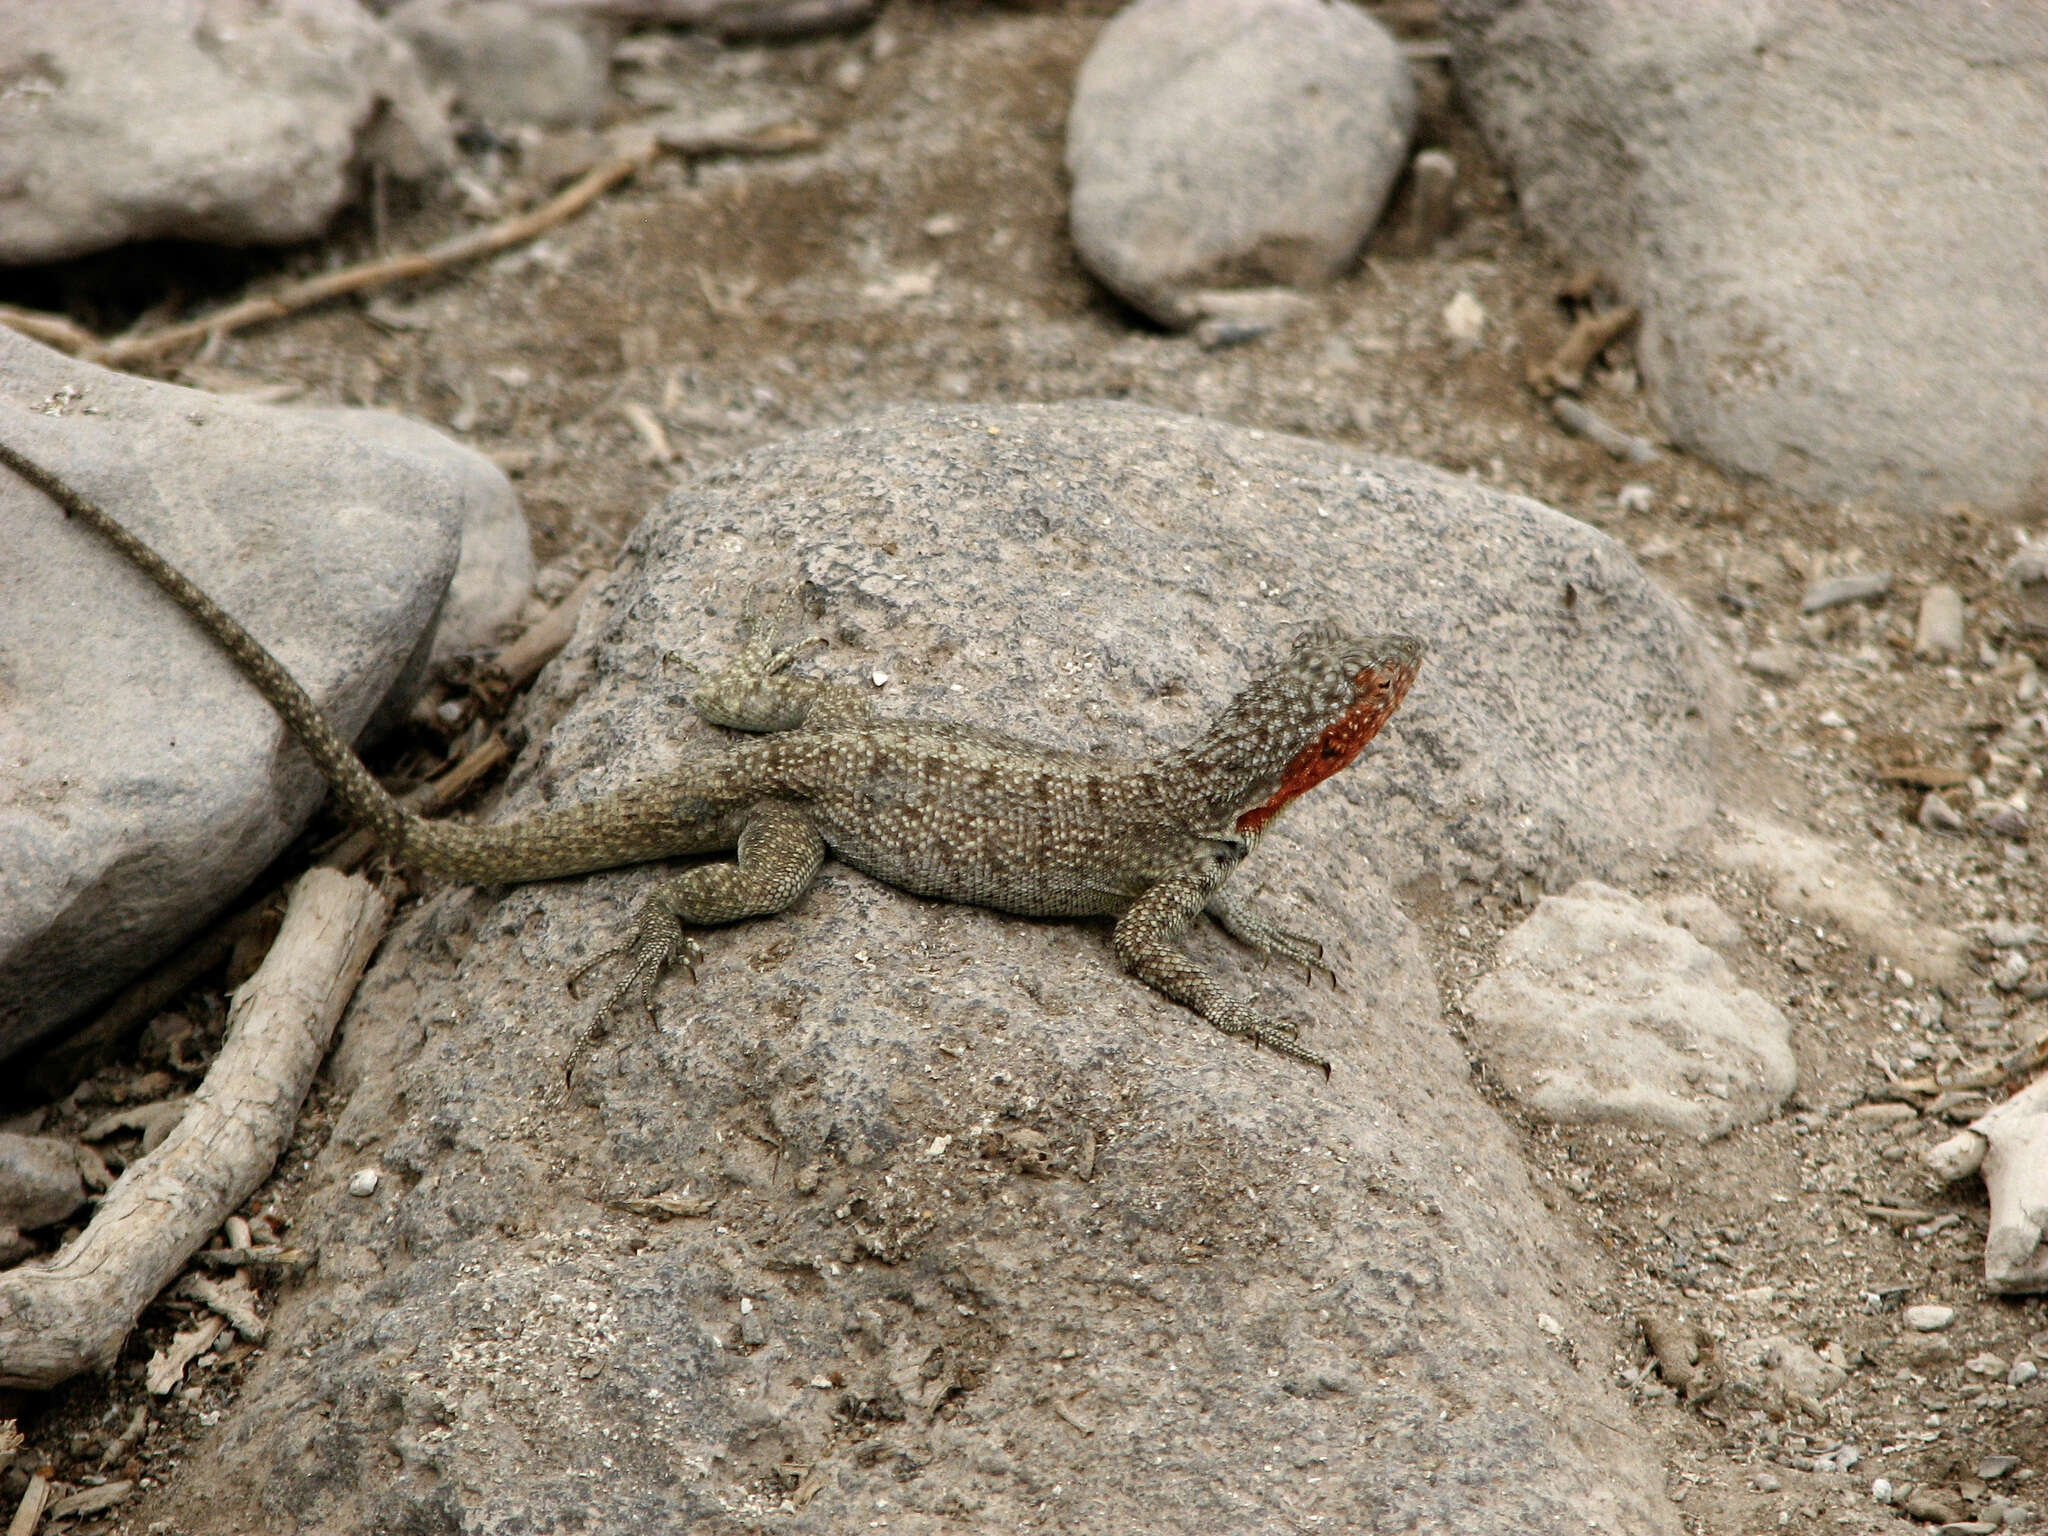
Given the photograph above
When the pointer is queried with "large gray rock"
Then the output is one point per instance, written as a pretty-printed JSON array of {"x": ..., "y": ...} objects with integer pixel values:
[
  {"x": 1832, "y": 216},
  {"x": 142, "y": 781},
  {"x": 199, "y": 119},
  {"x": 1219, "y": 143},
  {"x": 1600, "y": 1012},
  {"x": 986, "y": 1235}
]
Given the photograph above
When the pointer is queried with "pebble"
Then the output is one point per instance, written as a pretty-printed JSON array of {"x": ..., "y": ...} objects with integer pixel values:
[
  {"x": 1986, "y": 1364},
  {"x": 2022, "y": 1372},
  {"x": 1934, "y": 1505},
  {"x": 1837, "y": 590},
  {"x": 2011, "y": 935},
  {"x": 1832, "y": 719},
  {"x": 1939, "y": 632},
  {"x": 1877, "y": 1117},
  {"x": 1766, "y": 1482},
  {"x": 363, "y": 1183},
  {"x": 1464, "y": 320},
  {"x": 1928, "y": 1317},
  {"x": 1991, "y": 1468},
  {"x": 1779, "y": 663},
  {"x": 1937, "y": 815},
  {"x": 1881, "y": 1490},
  {"x": 2010, "y": 974},
  {"x": 2002, "y": 818},
  {"x": 1635, "y": 497}
]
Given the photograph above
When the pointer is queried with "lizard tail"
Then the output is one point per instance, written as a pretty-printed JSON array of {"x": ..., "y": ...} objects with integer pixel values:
[{"x": 362, "y": 798}]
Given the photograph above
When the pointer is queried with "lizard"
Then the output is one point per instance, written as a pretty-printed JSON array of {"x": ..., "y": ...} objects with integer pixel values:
[{"x": 961, "y": 813}]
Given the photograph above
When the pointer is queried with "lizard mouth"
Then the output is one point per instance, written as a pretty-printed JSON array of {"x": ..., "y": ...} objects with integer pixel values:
[{"x": 1377, "y": 690}]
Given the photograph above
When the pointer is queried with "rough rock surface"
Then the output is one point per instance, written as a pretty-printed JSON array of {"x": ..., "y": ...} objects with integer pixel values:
[
  {"x": 1832, "y": 217},
  {"x": 509, "y": 62},
  {"x": 1600, "y": 1011},
  {"x": 197, "y": 119},
  {"x": 1218, "y": 143},
  {"x": 970, "y": 1231},
  {"x": 142, "y": 781}
]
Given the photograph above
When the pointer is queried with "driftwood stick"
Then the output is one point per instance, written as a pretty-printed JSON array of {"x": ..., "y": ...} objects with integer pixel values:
[
  {"x": 70, "y": 1313},
  {"x": 377, "y": 274}
]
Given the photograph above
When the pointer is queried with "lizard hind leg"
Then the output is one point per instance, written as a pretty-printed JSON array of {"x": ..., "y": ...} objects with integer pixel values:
[{"x": 778, "y": 856}]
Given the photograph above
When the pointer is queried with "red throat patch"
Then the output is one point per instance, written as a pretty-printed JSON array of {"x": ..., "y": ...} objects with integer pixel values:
[{"x": 1377, "y": 695}]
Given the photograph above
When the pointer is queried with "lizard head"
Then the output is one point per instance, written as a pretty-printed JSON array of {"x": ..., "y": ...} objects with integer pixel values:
[{"x": 1302, "y": 720}]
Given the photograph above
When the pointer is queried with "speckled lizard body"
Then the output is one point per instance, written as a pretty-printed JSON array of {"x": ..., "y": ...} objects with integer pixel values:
[{"x": 950, "y": 811}]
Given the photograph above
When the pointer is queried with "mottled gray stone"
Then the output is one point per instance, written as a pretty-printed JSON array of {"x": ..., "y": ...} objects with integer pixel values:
[
  {"x": 996, "y": 1236},
  {"x": 198, "y": 119},
  {"x": 143, "y": 782},
  {"x": 1831, "y": 215},
  {"x": 1598, "y": 1011},
  {"x": 510, "y": 62},
  {"x": 1216, "y": 144}
]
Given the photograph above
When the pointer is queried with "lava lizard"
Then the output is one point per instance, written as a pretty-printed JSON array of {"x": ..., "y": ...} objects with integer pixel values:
[{"x": 956, "y": 812}]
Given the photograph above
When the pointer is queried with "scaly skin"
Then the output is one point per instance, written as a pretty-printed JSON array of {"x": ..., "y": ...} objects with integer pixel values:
[{"x": 950, "y": 811}]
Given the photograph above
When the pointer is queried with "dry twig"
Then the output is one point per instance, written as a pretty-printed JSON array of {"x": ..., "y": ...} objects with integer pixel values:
[{"x": 70, "y": 1313}]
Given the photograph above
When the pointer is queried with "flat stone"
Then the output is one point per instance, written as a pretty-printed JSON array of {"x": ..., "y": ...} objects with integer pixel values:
[
  {"x": 1599, "y": 1012},
  {"x": 1876, "y": 1117},
  {"x": 1938, "y": 633},
  {"x": 1928, "y": 1317},
  {"x": 1834, "y": 591},
  {"x": 509, "y": 62},
  {"x": 1777, "y": 663},
  {"x": 1937, "y": 815}
]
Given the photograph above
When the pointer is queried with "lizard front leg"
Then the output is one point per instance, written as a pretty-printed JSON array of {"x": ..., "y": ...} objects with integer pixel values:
[
  {"x": 778, "y": 856},
  {"x": 756, "y": 692},
  {"x": 1147, "y": 942},
  {"x": 1245, "y": 923}
]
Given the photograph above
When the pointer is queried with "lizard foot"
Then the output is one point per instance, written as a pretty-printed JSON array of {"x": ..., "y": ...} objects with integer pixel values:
[
  {"x": 1274, "y": 1034},
  {"x": 657, "y": 942},
  {"x": 1267, "y": 939}
]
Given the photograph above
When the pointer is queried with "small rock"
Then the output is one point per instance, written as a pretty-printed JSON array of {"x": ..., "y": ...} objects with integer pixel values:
[
  {"x": 2022, "y": 1372},
  {"x": 1969, "y": 1528},
  {"x": 2002, "y": 818},
  {"x": 1465, "y": 320},
  {"x": 1939, "y": 633},
  {"x": 1936, "y": 1506},
  {"x": 1986, "y": 1364},
  {"x": 1766, "y": 1482},
  {"x": 1799, "y": 1368},
  {"x": 1635, "y": 497},
  {"x": 1992, "y": 1468},
  {"x": 1878, "y": 1117},
  {"x": 2011, "y": 973},
  {"x": 1432, "y": 209},
  {"x": 1937, "y": 815},
  {"x": 1778, "y": 663},
  {"x": 2011, "y": 935},
  {"x": 39, "y": 1180},
  {"x": 1832, "y": 719},
  {"x": 1928, "y": 1317},
  {"x": 2029, "y": 565},
  {"x": 363, "y": 1183},
  {"x": 1837, "y": 590},
  {"x": 1599, "y": 1011},
  {"x": 1881, "y": 1489},
  {"x": 1321, "y": 90}
]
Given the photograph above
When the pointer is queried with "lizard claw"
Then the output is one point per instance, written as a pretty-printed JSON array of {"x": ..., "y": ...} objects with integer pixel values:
[{"x": 658, "y": 941}]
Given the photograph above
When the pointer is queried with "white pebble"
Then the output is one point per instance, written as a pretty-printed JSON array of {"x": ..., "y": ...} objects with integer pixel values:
[
  {"x": 363, "y": 1183},
  {"x": 1635, "y": 497},
  {"x": 1881, "y": 1490},
  {"x": 1928, "y": 1317},
  {"x": 2022, "y": 1372}
]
